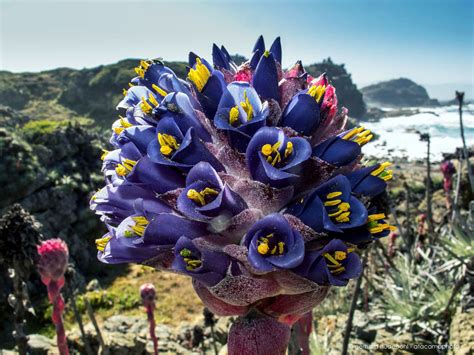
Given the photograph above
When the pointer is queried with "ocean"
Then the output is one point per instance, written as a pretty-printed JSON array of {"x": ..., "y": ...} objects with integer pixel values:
[{"x": 397, "y": 136}]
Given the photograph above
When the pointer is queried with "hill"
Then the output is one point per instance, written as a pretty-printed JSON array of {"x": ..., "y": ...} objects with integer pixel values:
[
  {"x": 65, "y": 93},
  {"x": 397, "y": 93}
]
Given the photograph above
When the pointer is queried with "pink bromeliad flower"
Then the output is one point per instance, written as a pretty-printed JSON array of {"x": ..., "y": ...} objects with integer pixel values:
[{"x": 52, "y": 264}]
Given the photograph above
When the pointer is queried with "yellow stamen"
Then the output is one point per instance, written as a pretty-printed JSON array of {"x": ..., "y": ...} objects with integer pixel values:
[
  {"x": 118, "y": 130},
  {"x": 338, "y": 270},
  {"x": 332, "y": 203},
  {"x": 104, "y": 154},
  {"x": 267, "y": 149},
  {"x": 340, "y": 255},
  {"x": 281, "y": 247},
  {"x": 145, "y": 106},
  {"x": 124, "y": 92},
  {"x": 168, "y": 143},
  {"x": 159, "y": 90},
  {"x": 200, "y": 197},
  {"x": 124, "y": 123},
  {"x": 331, "y": 259},
  {"x": 263, "y": 248},
  {"x": 317, "y": 92},
  {"x": 233, "y": 115},
  {"x": 140, "y": 225},
  {"x": 353, "y": 132},
  {"x": 200, "y": 75},
  {"x": 101, "y": 243},
  {"x": 334, "y": 194},
  {"x": 153, "y": 100},
  {"x": 289, "y": 149},
  {"x": 375, "y": 217},
  {"x": 343, "y": 217},
  {"x": 247, "y": 106}
]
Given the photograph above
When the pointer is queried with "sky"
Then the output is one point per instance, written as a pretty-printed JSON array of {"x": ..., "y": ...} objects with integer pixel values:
[{"x": 428, "y": 41}]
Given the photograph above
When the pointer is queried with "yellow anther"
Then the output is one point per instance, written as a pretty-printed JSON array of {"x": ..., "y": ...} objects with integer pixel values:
[
  {"x": 168, "y": 143},
  {"x": 317, "y": 92},
  {"x": 353, "y": 132},
  {"x": 233, "y": 115},
  {"x": 104, "y": 154},
  {"x": 338, "y": 270},
  {"x": 266, "y": 54},
  {"x": 340, "y": 255},
  {"x": 375, "y": 217},
  {"x": 101, "y": 243},
  {"x": 140, "y": 72},
  {"x": 166, "y": 150},
  {"x": 124, "y": 92},
  {"x": 200, "y": 197},
  {"x": 332, "y": 203},
  {"x": 141, "y": 222},
  {"x": 343, "y": 217},
  {"x": 118, "y": 130},
  {"x": 289, "y": 149},
  {"x": 247, "y": 106},
  {"x": 153, "y": 100},
  {"x": 281, "y": 248},
  {"x": 344, "y": 206},
  {"x": 263, "y": 248},
  {"x": 121, "y": 170},
  {"x": 333, "y": 194},
  {"x": 159, "y": 90},
  {"x": 381, "y": 168},
  {"x": 200, "y": 75},
  {"x": 145, "y": 106},
  {"x": 267, "y": 149},
  {"x": 331, "y": 259},
  {"x": 144, "y": 64},
  {"x": 130, "y": 85},
  {"x": 124, "y": 123}
]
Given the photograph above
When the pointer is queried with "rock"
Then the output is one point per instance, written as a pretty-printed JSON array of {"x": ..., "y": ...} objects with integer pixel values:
[
  {"x": 41, "y": 345},
  {"x": 124, "y": 324},
  {"x": 397, "y": 93},
  {"x": 125, "y": 343}
]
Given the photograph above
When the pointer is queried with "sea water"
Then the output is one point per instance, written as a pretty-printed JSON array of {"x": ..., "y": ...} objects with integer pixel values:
[{"x": 398, "y": 136}]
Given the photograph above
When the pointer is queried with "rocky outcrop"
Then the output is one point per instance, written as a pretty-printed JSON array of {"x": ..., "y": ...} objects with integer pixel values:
[{"x": 397, "y": 93}]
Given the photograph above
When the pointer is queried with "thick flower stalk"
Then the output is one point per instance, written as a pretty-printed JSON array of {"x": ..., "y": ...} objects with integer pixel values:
[
  {"x": 148, "y": 296},
  {"x": 246, "y": 179},
  {"x": 52, "y": 264}
]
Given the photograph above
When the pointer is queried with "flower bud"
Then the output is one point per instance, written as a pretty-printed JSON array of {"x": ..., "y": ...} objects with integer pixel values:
[{"x": 53, "y": 259}]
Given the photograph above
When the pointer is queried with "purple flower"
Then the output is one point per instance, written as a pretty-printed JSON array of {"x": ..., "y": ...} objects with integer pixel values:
[
  {"x": 330, "y": 207},
  {"x": 209, "y": 83},
  {"x": 206, "y": 197},
  {"x": 179, "y": 107},
  {"x": 275, "y": 159},
  {"x": 303, "y": 111},
  {"x": 334, "y": 265},
  {"x": 179, "y": 149},
  {"x": 206, "y": 266},
  {"x": 273, "y": 244},
  {"x": 370, "y": 181},
  {"x": 375, "y": 228},
  {"x": 265, "y": 79},
  {"x": 240, "y": 114}
]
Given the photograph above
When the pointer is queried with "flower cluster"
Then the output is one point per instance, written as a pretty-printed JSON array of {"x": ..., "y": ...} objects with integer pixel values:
[{"x": 242, "y": 177}]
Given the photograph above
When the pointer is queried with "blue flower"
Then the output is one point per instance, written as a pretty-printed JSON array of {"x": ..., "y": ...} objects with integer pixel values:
[
  {"x": 206, "y": 197},
  {"x": 179, "y": 149},
  {"x": 273, "y": 244},
  {"x": 370, "y": 181},
  {"x": 240, "y": 114},
  {"x": 334, "y": 265},
  {"x": 209, "y": 84},
  {"x": 331, "y": 207},
  {"x": 265, "y": 79},
  {"x": 275, "y": 159},
  {"x": 208, "y": 267}
]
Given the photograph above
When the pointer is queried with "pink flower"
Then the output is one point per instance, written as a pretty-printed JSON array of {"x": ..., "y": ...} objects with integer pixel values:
[{"x": 53, "y": 260}]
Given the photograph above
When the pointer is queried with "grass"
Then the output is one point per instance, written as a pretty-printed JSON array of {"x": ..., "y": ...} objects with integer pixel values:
[{"x": 176, "y": 300}]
